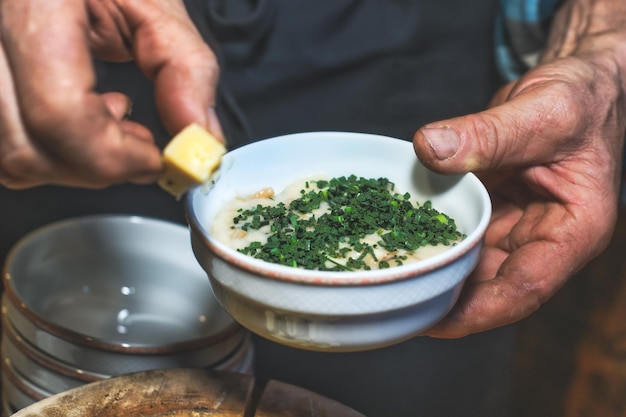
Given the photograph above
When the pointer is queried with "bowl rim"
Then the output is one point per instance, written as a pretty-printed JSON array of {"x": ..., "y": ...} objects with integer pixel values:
[
  {"x": 75, "y": 337},
  {"x": 22, "y": 383},
  {"x": 51, "y": 364},
  {"x": 333, "y": 278}
]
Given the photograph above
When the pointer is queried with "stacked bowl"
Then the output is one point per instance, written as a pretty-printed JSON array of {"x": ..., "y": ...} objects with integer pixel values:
[{"x": 94, "y": 297}]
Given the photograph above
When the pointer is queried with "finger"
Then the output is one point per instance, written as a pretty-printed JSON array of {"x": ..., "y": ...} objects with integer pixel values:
[
  {"x": 119, "y": 105},
  {"x": 121, "y": 108},
  {"x": 108, "y": 35},
  {"x": 528, "y": 129},
  {"x": 524, "y": 265},
  {"x": 55, "y": 83},
  {"x": 502, "y": 95},
  {"x": 492, "y": 259},
  {"x": 14, "y": 142},
  {"x": 169, "y": 49},
  {"x": 518, "y": 289},
  {"x": 11, "y": 128}
]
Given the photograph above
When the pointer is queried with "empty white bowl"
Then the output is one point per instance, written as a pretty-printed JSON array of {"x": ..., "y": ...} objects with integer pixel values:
[
  {"x": 336, "y": 311},
  {"x": 114, "y": 294}
]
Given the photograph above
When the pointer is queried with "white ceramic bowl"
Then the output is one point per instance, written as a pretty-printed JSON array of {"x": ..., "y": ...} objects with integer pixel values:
[
  {"x": 114, "y": 294},
  {"x": 338, "y": 311},
  {"x": 18, "y": 390},
  {"x": 43, "y": 370},
  {"x": 241, "y": 360},
  {"x": 7, "y": 409},
  {"x": 54, "y": 376}
]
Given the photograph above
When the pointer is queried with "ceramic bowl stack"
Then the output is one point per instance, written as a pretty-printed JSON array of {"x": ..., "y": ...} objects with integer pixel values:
[{"x": 94, "y": 297}]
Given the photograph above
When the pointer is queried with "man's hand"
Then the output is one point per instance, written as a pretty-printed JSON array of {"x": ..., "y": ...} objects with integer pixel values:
[
  {"x": 549, "y": 151},
  {"x": 54, "y": 127}
]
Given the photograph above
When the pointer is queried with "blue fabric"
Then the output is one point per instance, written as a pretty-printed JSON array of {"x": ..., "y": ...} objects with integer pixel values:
[{"x": 521, "y": 33}]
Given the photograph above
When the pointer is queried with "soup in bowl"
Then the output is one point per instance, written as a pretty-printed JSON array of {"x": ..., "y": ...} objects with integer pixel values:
[{"x": 336, "y": 306}]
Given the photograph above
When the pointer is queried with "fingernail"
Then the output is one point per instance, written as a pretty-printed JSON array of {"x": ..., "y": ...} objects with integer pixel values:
[
  {"x": 214, "y": 125},
  {"x": 443, "y": 141},
  {"x": 129, "y": 109}
]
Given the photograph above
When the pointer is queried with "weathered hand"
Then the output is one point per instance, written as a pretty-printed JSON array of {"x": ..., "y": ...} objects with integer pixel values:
[
  {"x": 549, "y": 151},
  {"x": 54, "y": 128}
]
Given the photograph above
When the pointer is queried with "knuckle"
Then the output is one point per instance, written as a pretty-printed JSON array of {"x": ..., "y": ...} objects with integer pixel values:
[
  {"x": 199, "y": 62},
  {"x": 52, "y": 112},
  {"x": 490, "y": 144},
  {"x": 17, "y": 165},
  {"x": 95, "y": 157},
  {"x": 568, "y": 102}
]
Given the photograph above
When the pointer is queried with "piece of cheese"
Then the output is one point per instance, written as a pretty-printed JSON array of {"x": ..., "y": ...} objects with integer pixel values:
[{"x": 189, "y": 159}]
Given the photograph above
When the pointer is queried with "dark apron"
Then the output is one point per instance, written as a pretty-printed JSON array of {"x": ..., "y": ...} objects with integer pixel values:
[
  {"x": 371, "y": 66},
  {"x": 376, "y": 66}
]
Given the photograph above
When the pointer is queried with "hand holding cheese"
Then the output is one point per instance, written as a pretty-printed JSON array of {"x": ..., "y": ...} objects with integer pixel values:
[
  {"x": 190, "y": 159},
  {"x": 56, "y": 128}
]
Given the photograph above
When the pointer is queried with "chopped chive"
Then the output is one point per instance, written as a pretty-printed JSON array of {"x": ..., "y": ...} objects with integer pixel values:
[{"x": 357, "y": 207}]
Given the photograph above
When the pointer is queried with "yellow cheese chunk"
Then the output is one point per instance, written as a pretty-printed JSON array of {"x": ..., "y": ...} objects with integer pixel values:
[{"x": 189, "y": 159}]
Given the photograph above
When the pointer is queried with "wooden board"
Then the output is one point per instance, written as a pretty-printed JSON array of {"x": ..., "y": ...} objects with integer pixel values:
[{"x": 186, "y": 393}]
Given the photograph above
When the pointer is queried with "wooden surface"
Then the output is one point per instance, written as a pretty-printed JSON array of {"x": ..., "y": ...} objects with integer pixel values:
[
  {"x": 186, "y": 393},
  {"x": 284, "y": 400},
  {"x": 175, "y": 392},
  {"x": 571, "y": 358}
]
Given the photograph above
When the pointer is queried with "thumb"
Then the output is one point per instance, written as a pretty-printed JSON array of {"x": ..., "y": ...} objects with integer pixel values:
[{"x": 526, "y": 130}]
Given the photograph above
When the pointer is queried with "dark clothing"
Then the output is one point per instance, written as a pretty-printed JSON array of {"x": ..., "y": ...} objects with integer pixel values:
[
  {"x": 369, "y": 66},
  {"x": 288, "y": 66}
]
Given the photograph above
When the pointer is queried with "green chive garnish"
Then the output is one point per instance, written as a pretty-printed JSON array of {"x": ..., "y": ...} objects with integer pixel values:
[{"x": 358, "y": 207}]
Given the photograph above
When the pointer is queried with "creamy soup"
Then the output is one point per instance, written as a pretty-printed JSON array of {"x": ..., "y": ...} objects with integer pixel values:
[{"x": 235, "y": 225}]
